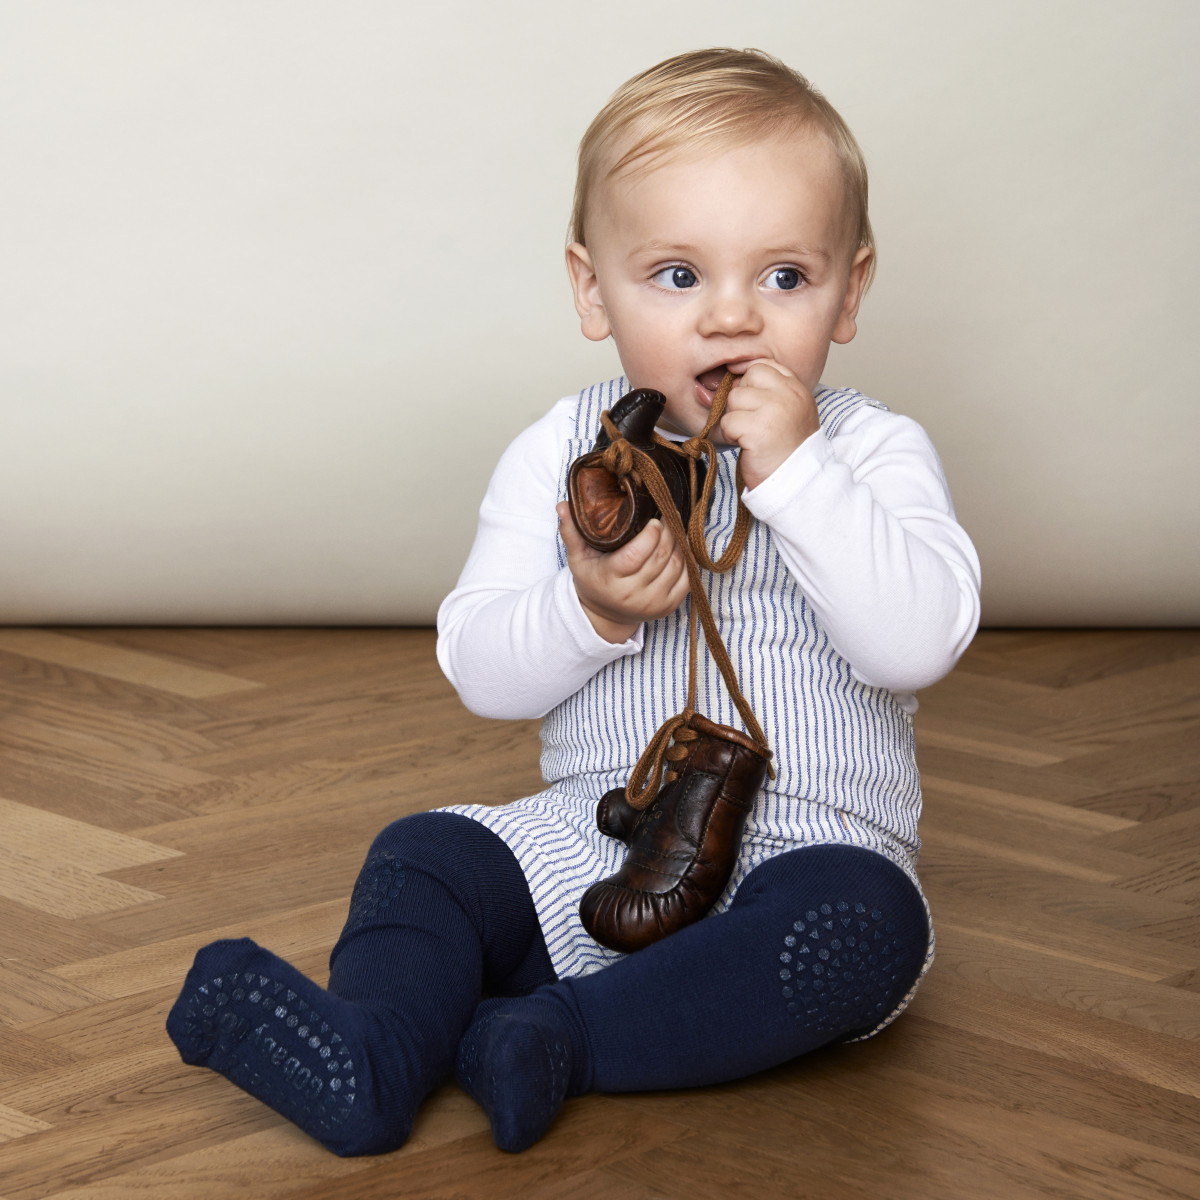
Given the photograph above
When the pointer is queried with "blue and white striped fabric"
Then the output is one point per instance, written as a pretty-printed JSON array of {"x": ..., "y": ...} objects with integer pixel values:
[{"x": 843, "y": 751}]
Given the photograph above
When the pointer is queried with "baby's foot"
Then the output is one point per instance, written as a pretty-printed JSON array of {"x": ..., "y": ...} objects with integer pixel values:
[
  {"x": 329, "y": 1066},
  {"x": 516, "y": 1060}
]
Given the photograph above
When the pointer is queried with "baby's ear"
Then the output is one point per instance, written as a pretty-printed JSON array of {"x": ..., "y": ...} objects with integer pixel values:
[
  {"x": 593, "y": 320},
  {"x": 856, "y": 286}
]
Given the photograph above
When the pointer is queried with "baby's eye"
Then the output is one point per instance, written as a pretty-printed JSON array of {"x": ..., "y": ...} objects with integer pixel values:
[
  {"x": 786, "y": 279},
  {"x": 676, "y": 278}
]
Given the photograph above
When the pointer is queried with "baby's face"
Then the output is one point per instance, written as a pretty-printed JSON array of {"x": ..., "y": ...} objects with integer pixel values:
[{"x": 704, "y": 263}]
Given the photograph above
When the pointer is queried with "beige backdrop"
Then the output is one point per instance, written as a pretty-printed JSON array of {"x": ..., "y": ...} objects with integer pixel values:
[{"x": 280, "y": 280}]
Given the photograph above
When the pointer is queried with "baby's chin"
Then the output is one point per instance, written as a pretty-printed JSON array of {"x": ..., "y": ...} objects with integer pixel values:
[{"x": 690, "y": 425}]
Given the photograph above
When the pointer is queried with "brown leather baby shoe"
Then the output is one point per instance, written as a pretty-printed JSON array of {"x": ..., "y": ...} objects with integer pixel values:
[
  {"x": 683, "y": 845},
  {"x": 610, "y": 509}
]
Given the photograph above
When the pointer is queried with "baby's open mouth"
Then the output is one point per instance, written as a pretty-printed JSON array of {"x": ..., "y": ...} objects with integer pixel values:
[{"x": 711, "y": 380}]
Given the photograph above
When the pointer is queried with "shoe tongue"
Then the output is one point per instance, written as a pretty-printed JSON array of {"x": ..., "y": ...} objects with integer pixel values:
[{"x": 635, "y": 415}]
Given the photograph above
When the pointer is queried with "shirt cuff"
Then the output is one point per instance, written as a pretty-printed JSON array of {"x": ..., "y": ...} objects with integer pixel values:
[
  {"x": 797, "y": 472},
  {"x": 582, "y": 632}
]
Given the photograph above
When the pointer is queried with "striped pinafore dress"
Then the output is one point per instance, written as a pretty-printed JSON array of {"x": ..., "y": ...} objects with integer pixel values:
[{"x": 844, "y": 755}]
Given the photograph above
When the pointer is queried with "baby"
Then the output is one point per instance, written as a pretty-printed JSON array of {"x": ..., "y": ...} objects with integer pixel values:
[{"x": 720, "y": 225}]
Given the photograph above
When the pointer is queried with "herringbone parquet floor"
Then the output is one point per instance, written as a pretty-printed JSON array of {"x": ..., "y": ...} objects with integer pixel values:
[{"x": 160, "y": 788}]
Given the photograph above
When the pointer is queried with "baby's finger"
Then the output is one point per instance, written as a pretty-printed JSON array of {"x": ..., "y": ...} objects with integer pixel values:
[
  {"x": 667, "y": 565},
  {"x": 734, "y": 426},
  {"x": 674, "y": 574},
  {"x": 658, "y": 561},
  {"x": 681, "y": 587},
  {"x": 670, "y": 588},
  {"x": 572, "y": 538},
  {"x": 665, "y": 547},
  {"x": 637, "y": 555},
  {"x": 762, "y": 372}
]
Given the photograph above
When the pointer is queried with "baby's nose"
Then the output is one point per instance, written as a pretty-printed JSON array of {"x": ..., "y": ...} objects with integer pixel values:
[{"x": 731, "y": 312}]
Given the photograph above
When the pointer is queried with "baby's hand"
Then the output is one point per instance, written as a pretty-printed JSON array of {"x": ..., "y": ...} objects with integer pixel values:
[
  {"x": 770, "y": 412},
  {"x": 643, "y": 580}
]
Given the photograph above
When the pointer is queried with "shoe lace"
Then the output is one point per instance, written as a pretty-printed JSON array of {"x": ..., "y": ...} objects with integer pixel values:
[{"x": 670, "y": 743}]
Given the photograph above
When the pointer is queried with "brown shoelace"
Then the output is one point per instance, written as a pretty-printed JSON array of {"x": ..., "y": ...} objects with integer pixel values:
[{"x": 622, "y": 459}]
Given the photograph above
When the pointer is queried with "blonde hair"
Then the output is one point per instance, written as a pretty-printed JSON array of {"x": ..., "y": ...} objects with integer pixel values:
[{"x": 713, "y": 99}]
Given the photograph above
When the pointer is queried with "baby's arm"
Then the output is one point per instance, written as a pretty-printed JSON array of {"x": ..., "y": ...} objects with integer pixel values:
[
  {"x": 514, "y": 637},
  {"x": 865, "y": 524}
]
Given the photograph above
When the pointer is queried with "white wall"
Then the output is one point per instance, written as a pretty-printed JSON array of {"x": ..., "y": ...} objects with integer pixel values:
[{"x": 280, "y": 279}]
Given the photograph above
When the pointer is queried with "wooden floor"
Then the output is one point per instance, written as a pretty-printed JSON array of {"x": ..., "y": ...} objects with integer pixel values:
[{"x": 161, "y": 788}]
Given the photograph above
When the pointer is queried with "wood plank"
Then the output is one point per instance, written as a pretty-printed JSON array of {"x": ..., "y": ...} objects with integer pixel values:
[
  {"x": 31, "y": 743},
  {"x": 1071, "y": 937},
  {"x": 278, "y": 1162},
  {"x": 1088, "y": 1039},
  {"x": 27, "y": 993},
  {"x": 41, "y": 781},
  {"x": 973, "y": 739},
  {"x": 946, "y": 839},
  {"x": 129, "y": 666},
  {"x": 14, "y": 1124},
  {"x": 23, "y": 1053},
  {"x": 125, "y": 973},
  {"x": 596, "y": 1130},
  {"x": 1030, "y": 1080},
  {"x": 1011, "y": 803},
  {"x": 63, "y": 890},
  {"x": 79, "y": 844}
]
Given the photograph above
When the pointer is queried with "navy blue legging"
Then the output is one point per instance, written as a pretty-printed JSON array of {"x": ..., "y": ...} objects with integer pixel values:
[{"x": 819, "y": 944}]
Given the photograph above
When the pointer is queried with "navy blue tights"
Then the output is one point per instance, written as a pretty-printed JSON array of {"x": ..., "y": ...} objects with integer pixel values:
[{"x": 818, "y": 944}]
